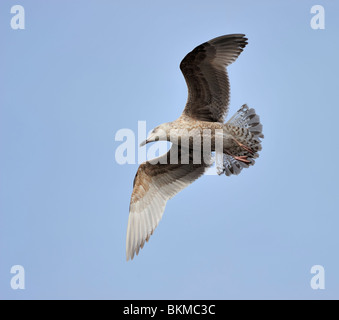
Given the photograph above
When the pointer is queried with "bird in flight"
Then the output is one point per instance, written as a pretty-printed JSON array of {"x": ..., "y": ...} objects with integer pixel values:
[{"x": 202, "y": 120}]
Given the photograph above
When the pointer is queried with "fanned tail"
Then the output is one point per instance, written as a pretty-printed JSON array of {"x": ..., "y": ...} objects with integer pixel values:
[{"x": 245, "y": 130}]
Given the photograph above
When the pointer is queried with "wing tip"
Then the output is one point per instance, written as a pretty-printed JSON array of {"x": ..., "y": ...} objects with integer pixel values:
[
  {"x": 237, "y": 37},
  {"x": 132, "y": 252},
  {"x": 129, "y": 256}
]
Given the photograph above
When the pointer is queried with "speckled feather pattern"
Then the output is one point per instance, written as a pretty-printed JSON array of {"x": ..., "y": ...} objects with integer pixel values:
[{"x": 160, "y": 179}]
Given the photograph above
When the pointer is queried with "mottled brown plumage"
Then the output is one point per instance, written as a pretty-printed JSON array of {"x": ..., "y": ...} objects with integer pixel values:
[
  {"x": 205, "y": 73},
  {"x": 160, "y": 179}
]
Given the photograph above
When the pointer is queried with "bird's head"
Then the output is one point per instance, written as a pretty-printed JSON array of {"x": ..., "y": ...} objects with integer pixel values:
[{"x": 160, "y": 133}]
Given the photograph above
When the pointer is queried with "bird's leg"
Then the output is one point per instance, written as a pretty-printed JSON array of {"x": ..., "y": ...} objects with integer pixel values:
[
  {"x": 243, "y": 146},
  {"x": 242, "y": 159},
  {"x": 239, "y": 158}
]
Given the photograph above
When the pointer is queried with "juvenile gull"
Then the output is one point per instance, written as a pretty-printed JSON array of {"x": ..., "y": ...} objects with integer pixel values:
[{"x": 162, "y": 178}]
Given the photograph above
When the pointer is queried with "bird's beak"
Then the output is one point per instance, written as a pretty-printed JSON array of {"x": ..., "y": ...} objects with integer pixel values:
[{"x": 143, "y": 143}]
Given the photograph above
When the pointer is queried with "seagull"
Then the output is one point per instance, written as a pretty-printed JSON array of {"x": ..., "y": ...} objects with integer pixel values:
[{"x": 158, "y": 180}]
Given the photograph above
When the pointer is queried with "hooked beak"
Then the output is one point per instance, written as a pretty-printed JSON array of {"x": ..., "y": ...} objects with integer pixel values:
[{"x": 143, "y": 143}]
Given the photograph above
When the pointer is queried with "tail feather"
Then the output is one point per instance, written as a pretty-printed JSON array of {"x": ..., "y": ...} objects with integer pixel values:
[
  {"x": 247, "y": 118},
  {"x": 246, "y": 132}
]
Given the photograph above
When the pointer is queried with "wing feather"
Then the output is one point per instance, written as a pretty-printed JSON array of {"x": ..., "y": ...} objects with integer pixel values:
[
  {"x": 205, "y": 73},
  {"x": 154, "y": 185}
]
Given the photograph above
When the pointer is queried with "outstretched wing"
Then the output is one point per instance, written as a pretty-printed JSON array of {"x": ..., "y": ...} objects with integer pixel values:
[
  {"x": 205, "y": 73},
  {"x": 154, "y": 184}
]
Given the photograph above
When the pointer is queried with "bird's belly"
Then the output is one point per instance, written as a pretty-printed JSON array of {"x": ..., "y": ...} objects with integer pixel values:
[{"x": 202, "y": 139}]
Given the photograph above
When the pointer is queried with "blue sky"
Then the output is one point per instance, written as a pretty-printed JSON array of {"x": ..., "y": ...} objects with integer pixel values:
[{"x": 82, "y": 70}]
